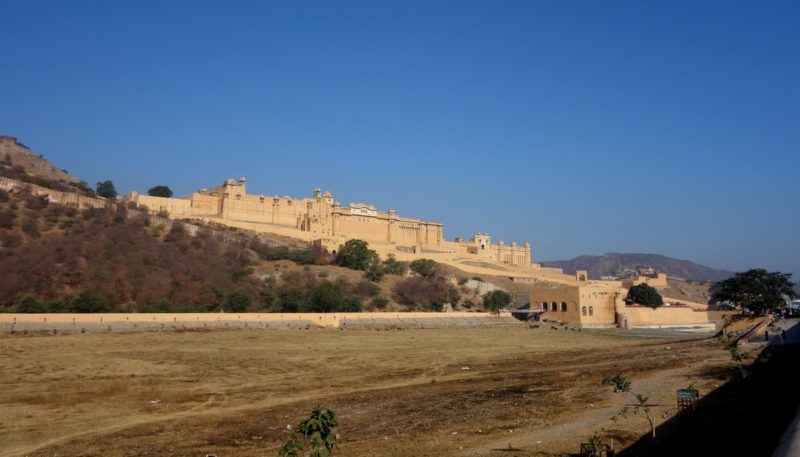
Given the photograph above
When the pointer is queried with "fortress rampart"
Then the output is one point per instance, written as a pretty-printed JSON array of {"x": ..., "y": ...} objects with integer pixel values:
[
  {"x": 322, "y": 219},
  {"x": 55, "y": 196}
]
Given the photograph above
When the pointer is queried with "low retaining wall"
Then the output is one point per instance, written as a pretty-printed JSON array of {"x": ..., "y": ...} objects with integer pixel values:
[
  {"x": 643, "y": 316},
  {"x": 754, "y": 333},
  {"x": 140, "y": 321},
  {"x": 709, "y": 327}
]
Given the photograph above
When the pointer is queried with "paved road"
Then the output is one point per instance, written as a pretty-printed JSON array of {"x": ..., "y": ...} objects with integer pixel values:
[{"x": 792, "y": 335}]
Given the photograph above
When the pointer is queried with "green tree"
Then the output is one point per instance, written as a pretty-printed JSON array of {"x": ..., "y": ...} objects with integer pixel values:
[
  {"x": 315, "y": 432},
  {"x": 646, "y": 295},
  {"x": 496, "y": 300},
  {"x": 325, "y": 297},
  {"x": 426, "y": 268},
  {"x": 162, "y": 306},
  {"x": 106, "y": 189},
  {"x": 57, "y": 305},
  {"x": 88, "y": 302},
  {"x": 160, "y": 191},
  {"x": 290, "y": 301},
  {"x": 236, "y": 302},
  {"x": 356, "y": 254},
  {"x": 757, "y": 290},
  {"x": 29, "y": 304}
]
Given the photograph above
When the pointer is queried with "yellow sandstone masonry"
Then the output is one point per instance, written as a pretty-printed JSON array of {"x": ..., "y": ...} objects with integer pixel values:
[
  {"x": 122, "y": 321},
  {"x": 323, "y": 220}
]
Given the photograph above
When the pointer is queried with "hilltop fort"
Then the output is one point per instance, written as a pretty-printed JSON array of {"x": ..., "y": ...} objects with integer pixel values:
[{"x": 321, "y": 219}]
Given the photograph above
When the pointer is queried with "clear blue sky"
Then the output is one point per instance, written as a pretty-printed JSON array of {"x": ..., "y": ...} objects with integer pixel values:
[{"x": 583, "y": 127}]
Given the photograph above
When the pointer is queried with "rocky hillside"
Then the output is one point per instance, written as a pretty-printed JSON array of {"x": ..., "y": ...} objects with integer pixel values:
[
  {"x": 19, "y": 162},
  {"x": 623, "y": 265},
  {"x": 57, "y": 258}
]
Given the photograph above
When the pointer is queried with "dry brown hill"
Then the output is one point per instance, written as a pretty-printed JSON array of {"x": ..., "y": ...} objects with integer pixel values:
[
  {"x": 614, "y": 264},
  {"x": 59, "y": 258},
  {"x": 19, "y": 162}
]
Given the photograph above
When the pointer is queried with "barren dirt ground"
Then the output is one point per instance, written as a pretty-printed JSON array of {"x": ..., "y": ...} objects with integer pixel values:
[{"x": 412, "y": 392}]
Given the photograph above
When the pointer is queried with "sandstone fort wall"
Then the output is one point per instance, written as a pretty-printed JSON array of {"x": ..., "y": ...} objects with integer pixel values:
[{"x": 55, "y": 196}]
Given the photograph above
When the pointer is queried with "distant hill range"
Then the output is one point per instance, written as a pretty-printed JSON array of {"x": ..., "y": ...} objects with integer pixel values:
[{"x": 626, "y": 265}]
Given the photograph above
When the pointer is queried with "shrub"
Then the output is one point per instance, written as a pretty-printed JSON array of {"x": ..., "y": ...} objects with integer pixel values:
[
  {"x": 162, "y": 306},
  {"x": 315, "y": 432},
  {"x": 57, "y": 306},
  {"x": 29, "y": 304},
  {"x": 425, "y": 293},
  {"x": 424, "y": 267},
  {"x": 367, "y": 289},
  {"x": 210, "y": 297},
  {"x": 7, "y": 219},
  {"x": 392, "y": 266},
  {"x": 646, "y": 295},
  {"x": 325, "y": 297},
  {"x": 350, "y": 304},
  {"x": 11, "y": 240},
  {"x": 31, "y": 227},
  {"x": 380, "y": 302},
  {"x": 238, "y": 275},
  {"x": 290, "y": 301},
  {"x": 355, "y": 254},
  {"x": 374, "y": 273},
  {"x": 88, "y": 302},
  {"x": 236, "y": 302}
]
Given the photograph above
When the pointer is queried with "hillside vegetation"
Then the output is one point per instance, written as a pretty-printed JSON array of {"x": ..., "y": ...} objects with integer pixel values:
[
  {"x": 20, "y": 163},
  {"x": 57, "y": 258}
]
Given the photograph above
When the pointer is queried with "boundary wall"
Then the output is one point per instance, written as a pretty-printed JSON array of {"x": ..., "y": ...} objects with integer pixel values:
[
  {"x": 55, "y": 196},
  {"x": 644, "y": 316},
  {"x": 130, "y": 321}
]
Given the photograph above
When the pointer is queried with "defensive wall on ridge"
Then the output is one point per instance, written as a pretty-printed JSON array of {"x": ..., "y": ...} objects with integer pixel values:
[
  {"x": 55, "y": 196},
  {"x": 323, "y": 220}
]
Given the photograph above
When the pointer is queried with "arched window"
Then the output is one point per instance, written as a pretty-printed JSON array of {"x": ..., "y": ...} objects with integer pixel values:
[
  {"x": 563, "y": 307},
  {"x": 583, "y": 310},
  {"x": 554, "y": 306},
  {"x": 544, "y": 305},
  {"x": 591, "y": 311}
]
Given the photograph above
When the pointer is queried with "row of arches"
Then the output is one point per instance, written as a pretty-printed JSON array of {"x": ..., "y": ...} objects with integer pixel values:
[
  {"x": 554, "y": 306},
  {"x": 585, "y": 311}
]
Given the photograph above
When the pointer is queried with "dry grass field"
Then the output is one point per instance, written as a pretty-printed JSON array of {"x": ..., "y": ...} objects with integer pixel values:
[{"x": 412, "y": 392}]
